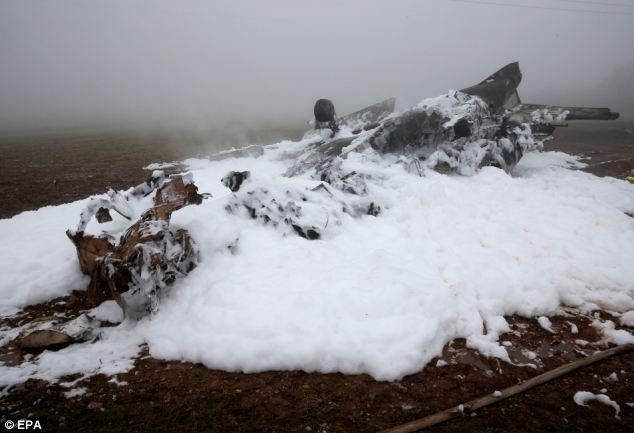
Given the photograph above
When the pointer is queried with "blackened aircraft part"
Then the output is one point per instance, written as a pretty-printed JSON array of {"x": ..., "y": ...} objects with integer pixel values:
[
  {"x": 325, "y": 116},
  {"x": 411, "y": 130},
  {"x": 459, "y": 132},
  {"x": 462, "y": 128},
  {"x": 570, "y": 113},
  {"x": 500, "y": 92},
  {"x": 325, "y": 159},
  {"x": 454, "y": 132},
  {"x": 300, "y": 210},
  {"x": 364, "y": 119},
  {"x": 485, "y": 124},
  {"x": 369, "y": 115},
  {"x": 499, "y": 89},
  {"x": 324, "y": 111},
  {"x": 234, "y": 179},
  {"x": 277, "y": 210}
]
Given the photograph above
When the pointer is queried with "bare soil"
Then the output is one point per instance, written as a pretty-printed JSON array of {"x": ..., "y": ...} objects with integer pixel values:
[
  {"x": 607, "y": 146},
  {"x": 174, "y": 396},
  {"x": 42, "y": 170}
]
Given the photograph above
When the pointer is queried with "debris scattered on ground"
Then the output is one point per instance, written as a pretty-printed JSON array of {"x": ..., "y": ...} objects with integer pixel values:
[
  {"x": 95, "y": 405},
  {"x": 583, "y": 397},
  {"x": 234, "y": 179},
  {"x": 47, "y": 332},
  {"x": 252, "y": 151},
  {"x": 612, "y": 335},
  {"x": 148, "y": 256},
  {"x": 544, "y": 322},
  {"x": 75, "y": 392},
  {"x": 160, "y": 166}
]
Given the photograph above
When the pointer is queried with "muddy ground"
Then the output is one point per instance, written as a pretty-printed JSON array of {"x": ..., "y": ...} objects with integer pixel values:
[
  {"x": 172, "y": 396},
  {"x": 39, "y": 170}
]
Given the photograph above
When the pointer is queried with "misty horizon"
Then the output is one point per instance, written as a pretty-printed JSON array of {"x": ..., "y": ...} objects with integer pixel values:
[{"x": 195, "y": 64}]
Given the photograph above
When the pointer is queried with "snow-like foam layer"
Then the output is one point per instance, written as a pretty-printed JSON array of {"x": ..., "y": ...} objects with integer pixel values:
[
  {"x": 448, "y": 257},
  {"x": 37, "y": 261},
  {"x": 112, "y": 353},
  {"x": 381, "y": 295},
  {"x": 583, "y": 397}
]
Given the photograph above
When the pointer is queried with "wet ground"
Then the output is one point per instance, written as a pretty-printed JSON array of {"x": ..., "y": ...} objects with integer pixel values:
[
  {"x": 608, "y": 146},
  {"x": 171, "y": 396},
  {"x": 40, "y": 170}
]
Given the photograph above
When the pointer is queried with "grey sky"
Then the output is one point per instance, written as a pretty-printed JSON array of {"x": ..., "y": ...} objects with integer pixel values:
[{"x": 148, "y": 63}]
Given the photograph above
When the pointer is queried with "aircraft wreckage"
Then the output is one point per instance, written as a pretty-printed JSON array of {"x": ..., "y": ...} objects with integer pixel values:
[{"x": 461, "y": 131}]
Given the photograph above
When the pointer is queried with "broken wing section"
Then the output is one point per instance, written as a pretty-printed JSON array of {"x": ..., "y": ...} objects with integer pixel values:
[
  {"x": 369, "y": 115},
  {"x": 569, "y": 113}
]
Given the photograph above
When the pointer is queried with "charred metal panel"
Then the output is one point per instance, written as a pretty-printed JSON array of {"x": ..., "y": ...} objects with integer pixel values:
[
  {"x": 497, "y": 89},
  {"x": 573, "y": 113},
  {"x": 372, "y": 114}
]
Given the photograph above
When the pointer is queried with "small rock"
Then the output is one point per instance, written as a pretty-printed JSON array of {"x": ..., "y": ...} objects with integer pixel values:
[
  {"x": 95, "y": 405},
  {"x": 47, "y": 332}
]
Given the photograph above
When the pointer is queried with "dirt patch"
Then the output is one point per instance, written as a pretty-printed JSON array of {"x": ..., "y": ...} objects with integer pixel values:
[
  {"x": 607, "y": 146},
  {"x": 43, "y": 170},
  {"x": 35, "y": 172}
]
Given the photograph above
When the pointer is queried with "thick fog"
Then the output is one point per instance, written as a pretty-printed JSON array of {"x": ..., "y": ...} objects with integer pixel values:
[{"x": 159, "y": 63}]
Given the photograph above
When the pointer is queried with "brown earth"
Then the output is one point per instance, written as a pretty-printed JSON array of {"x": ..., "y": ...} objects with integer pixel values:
[
  {"x": 173, "y": 396},
  {"x": 608, "y": 146},
  {"x": 41, "y": 170}
]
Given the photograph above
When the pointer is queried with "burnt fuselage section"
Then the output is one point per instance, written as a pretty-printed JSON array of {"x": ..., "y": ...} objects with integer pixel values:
[{"x": 485, "y": 124}]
